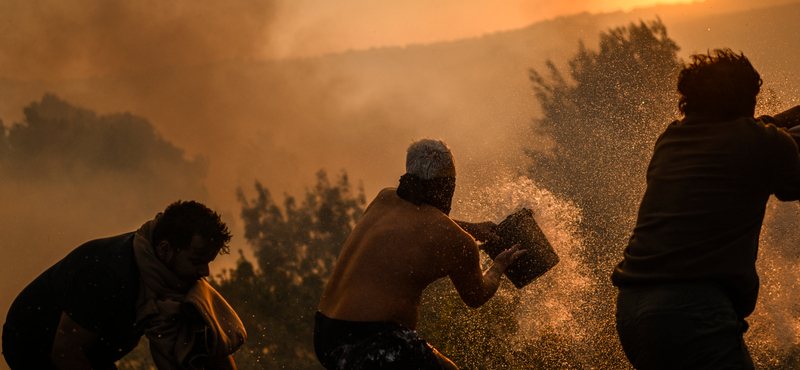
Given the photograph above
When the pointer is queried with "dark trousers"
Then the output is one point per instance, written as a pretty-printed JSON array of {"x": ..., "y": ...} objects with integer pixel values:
[{"x": 681, "y": 326}]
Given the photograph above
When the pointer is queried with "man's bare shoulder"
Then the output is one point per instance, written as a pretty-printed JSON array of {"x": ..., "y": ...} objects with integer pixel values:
[
  {"x": 442, "y": 228},
  {"x": 387, "y": 191},
  {"x": 387, "y": 194}
]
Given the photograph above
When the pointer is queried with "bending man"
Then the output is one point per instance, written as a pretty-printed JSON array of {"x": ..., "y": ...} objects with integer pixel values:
[
  {"x": 91, "y": 308},
  {"x": 404, "y": 242}
]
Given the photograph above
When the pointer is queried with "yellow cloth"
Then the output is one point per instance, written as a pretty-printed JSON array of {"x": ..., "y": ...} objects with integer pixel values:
[
  {"x": 183, "y": 323},
  {"x": 222, "y": 332}
]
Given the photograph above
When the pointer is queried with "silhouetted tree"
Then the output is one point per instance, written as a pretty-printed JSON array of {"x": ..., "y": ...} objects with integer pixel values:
[
  {"x": 58, "y": 143},
  {"x": 603, "y": 121},
  {"x": 295, "y": 247}
]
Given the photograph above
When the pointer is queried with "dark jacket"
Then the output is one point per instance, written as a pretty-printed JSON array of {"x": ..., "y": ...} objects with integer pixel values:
[
  {"x": 97, "y": 285},
  {"x": 707, "y": 188}
]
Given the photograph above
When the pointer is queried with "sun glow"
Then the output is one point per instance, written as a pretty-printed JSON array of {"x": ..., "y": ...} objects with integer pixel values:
[{"x": 627, "y": 5}]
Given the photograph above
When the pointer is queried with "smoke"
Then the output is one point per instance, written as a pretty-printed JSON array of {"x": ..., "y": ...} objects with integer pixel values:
[{"x": 52, "y": 40}]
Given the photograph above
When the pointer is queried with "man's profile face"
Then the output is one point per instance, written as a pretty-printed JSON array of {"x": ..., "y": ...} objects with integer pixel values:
[{"x": 190, "y": 264}]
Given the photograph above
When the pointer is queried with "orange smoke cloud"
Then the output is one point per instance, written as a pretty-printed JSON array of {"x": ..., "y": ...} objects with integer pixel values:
[{"x": 49, "y": 40}]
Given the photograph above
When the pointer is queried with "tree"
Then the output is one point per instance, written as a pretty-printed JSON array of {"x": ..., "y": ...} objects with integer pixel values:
[
  {"x": 295, "y": 247},
  {"x": 603, "y": 122},
  {"x": 62, "y": 146}
]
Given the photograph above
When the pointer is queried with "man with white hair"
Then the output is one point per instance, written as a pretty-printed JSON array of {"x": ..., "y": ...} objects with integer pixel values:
[{"x": 404, "y": 242}]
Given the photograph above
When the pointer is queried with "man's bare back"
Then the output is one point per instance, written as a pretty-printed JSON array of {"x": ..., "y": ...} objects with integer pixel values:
[
  {"x": 396, "y": 250},
  {"x": 404, "y": 242}
]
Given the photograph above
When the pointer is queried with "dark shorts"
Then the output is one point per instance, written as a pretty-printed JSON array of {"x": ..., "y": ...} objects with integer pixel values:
[
  {"x": 681, "y": 326},
  {"x": 352, "y": 345}
]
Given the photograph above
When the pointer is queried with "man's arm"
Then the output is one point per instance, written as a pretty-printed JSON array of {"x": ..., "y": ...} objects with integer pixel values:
[
  {"x": 475, "y": 287},
  {"x": 790, "y": 121},
  {"x": 482, "y": 231},
  {"x": 786, "y": 168},
  {"x": 70, "y": 345},
  {"x": 788, "y": 118}
]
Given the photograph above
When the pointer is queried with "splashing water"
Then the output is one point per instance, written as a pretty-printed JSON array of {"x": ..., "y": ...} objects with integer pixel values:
[
  {"x": 774, "y": 334},
  {"x": 549, "y": 300},
  {"x": 554, "y": 304},
  {"x": 559, "y": 302}
]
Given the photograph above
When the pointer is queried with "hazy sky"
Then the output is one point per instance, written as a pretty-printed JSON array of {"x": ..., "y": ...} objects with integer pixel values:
[
  {"x": 44, "y": 39},
  {"x": 310, "y": 27}
]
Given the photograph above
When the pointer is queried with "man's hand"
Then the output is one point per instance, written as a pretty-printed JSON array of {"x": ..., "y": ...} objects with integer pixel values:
[
  {"x": 789, "y": 118},
  {"x": 482, "y": 231},
  {"x": 507, "y": 257}
]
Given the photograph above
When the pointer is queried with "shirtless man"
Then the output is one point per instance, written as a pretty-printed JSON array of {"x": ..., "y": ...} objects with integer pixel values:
[{"x": 404, "y": 242}]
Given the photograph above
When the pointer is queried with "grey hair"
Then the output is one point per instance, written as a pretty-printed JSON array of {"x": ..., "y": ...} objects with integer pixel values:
[{"x": 428, "y": 158}]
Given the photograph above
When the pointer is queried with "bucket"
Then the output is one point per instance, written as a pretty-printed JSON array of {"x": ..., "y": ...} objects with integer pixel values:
[{"x": 520, "y": 228}]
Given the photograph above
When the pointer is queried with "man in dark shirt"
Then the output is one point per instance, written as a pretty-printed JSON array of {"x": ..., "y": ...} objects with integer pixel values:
[
  {"x": 688, "y": 277},
  {"x": 91, "y": 308}
]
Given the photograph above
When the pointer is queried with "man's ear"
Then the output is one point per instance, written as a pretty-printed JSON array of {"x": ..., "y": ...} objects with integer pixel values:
[{"x": 164, "y": 251}]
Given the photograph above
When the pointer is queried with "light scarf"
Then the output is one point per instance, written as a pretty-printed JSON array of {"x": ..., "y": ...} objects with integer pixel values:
[{"x": 178, "y": 341}]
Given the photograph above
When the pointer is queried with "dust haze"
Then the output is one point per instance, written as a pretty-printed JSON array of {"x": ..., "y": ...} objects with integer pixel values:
[
  {"x": 203, "y": 85},
  {"x": 73, "y": 39}
]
